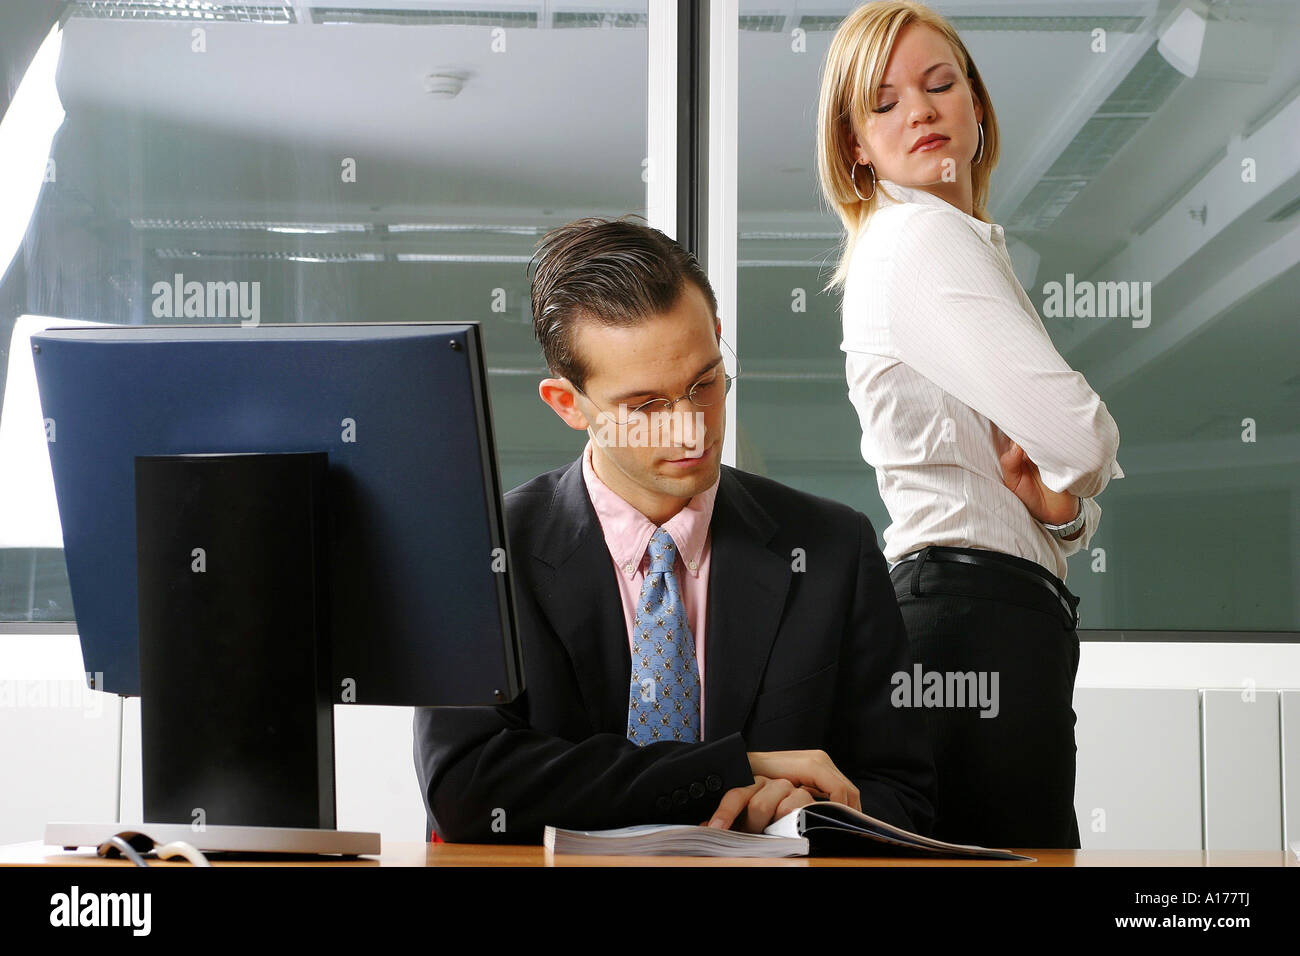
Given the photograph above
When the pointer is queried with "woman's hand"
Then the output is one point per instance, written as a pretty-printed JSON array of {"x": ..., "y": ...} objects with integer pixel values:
[{"x": 1021, "y": 476}]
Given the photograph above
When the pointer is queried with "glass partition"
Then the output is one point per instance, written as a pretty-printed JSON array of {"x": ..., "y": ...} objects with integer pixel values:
[{"x": 354, "y": 161}]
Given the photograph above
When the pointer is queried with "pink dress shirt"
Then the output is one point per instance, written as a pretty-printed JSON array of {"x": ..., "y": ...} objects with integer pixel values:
[{"x": 627, "y": 536}]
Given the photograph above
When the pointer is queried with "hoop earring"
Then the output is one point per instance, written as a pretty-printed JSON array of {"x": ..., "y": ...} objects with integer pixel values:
[
  {"x": 854, "y": 179},
  {"x": 980, "y": 154}
]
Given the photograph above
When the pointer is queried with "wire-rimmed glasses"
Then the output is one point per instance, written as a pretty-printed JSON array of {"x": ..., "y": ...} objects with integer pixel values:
[{"x": 711, "y": 389}]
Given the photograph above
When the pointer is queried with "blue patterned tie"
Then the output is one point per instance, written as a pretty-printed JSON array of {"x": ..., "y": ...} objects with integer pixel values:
[{"x": 664, "y": 701}]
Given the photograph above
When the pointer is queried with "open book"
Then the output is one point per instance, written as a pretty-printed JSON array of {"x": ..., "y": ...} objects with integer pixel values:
[{"x": 823, "y": 828}]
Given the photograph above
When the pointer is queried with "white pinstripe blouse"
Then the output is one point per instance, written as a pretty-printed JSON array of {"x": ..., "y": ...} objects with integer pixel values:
[{"x": 941, "y": 346}]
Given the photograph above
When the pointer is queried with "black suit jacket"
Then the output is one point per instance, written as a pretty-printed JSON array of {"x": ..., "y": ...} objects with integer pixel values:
[{"x": 796, "y": 658}]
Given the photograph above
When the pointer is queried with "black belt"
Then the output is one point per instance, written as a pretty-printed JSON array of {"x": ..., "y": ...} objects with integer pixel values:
[{"x": 994, "y": 560}]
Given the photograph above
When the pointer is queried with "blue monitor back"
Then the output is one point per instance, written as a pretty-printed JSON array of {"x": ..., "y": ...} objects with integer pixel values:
[{"x": 421, "y": 606}]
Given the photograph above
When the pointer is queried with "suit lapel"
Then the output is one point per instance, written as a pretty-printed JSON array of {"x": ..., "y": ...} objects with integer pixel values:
[
  {"x": 580, "y": 597},
  {"x": 747, "y": 589}
]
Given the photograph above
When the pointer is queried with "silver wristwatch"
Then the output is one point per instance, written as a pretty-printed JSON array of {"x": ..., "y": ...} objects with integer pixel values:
[{"x": 1064, "y": 531}]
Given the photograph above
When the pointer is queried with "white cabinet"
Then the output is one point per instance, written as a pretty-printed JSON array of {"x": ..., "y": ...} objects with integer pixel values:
[
  {"x": 59, "y": 753},
  {"x": 1138, "y": 776},
  {"x": 1240, "y": 744},
  {"x": 1290, "y": 722}
]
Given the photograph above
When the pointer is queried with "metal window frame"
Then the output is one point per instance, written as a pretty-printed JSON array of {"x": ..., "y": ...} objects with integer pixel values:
[{"x": 691, "y": 194}]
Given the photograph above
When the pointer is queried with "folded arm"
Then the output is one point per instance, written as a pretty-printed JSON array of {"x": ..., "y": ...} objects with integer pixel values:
[{"x": 962, "y": 326}]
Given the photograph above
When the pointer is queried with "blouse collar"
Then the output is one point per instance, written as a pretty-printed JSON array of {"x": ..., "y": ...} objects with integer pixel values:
[{"x": 897, "y": 192}]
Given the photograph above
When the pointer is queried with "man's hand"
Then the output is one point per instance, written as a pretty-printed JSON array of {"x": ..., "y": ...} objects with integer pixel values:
[
  {"x": 1021, "y": 476},
  {"x": 753, "y": 808},
  {"x": 807, "y": 768}
]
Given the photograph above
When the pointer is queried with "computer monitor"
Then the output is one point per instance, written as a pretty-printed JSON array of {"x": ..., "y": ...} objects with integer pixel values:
[{"x": 413, "y": 597}]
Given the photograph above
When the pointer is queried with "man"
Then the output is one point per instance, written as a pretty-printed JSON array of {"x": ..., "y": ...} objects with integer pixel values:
[{"x": 700, "y": 644}]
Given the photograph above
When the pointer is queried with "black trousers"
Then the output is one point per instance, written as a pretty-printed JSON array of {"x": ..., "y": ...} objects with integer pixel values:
[{"x": 1005, "y": 779}]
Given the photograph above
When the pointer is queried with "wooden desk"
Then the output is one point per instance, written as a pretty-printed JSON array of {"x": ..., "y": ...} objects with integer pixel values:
[{"x": 452, "y": 854}]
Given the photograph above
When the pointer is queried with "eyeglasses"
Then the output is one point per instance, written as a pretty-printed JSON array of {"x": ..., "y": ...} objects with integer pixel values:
[{"x": 709, "y": 390}]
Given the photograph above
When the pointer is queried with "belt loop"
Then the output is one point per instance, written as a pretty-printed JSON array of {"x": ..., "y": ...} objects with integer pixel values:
[{"x": 916, "y": 572}]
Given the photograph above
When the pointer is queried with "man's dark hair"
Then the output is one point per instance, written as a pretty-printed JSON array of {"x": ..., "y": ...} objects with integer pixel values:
[{"x": 611, "y": 271}]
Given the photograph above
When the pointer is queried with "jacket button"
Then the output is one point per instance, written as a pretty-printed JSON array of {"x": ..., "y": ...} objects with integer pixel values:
[
  {"x": 679, "y": 796},
  {"x": 697, "y": 789},
  {"x": 713, "y": 782},
  {"x": 663, "y": 804}
]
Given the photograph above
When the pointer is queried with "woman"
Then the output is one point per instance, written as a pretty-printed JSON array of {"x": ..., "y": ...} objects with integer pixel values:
[{"x": 988, "y": 448}]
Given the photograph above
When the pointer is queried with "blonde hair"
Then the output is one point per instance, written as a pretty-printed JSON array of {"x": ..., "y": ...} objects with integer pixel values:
[{"x": 850, "y": 86}]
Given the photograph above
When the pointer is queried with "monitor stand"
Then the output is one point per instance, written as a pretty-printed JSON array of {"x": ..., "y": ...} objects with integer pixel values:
[{"x": 236, "y": 696}]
